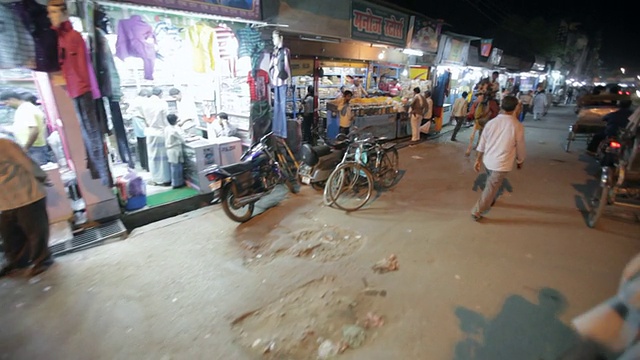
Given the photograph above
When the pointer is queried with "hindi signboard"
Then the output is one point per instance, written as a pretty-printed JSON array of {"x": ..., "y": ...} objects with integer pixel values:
[{"x": 377, "y": 24}]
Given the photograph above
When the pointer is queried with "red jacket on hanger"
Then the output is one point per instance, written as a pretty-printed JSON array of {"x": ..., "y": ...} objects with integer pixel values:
[{"x": 72, "y": 54}]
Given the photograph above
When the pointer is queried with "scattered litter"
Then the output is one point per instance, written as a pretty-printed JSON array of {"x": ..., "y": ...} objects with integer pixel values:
[
  {"x": 327, "y": 349},
  {"x": 386, "y": 265},
  {"x": 269, "y": 348},
  {"x": 46, "y": 288},
  {"x": 129, "y": 330},
  {"x": 353, "y": 335},
  {"x": 375, "y": 292},
  {"x": 417, "y": 157},
  {"x": 35, "y": 280},
  {"x": 174, "y": 299},
  {"x": 256, "y": 343},
  {"x": 373, "y": 321},
  {"x": 207, "y": 336},
  {"x": 259, "y": 256},
  {"x": 19, "y": 305},
  {"x": 457, "y": 277}
]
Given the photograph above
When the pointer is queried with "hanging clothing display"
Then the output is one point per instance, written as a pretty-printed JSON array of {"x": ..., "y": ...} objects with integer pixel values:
[
  {"x": 35, "y": 20},
  {"x": 82, "y": 87},
  {"x": 202, "y": 39},
  {"x": 169, "y": 39},
  {"x": 107, "y": 74},
  {"x": 92, "y": 136},
  {"x": 250, "y": 44},
  {"x": 121, "y": 134},
  {"x": 279, "y": 124},
  {"x": 18, "y": 48},
  {"x": 280, "y": 75},
  {"x": 258, "y": 85},
  {"x": 227, "y": 44},
  {"x": 260, "y": 120},
  {"x": 75, "y": 62},
  {"x": 280, "y": 67},
  {"x": 136, "y": 39}
]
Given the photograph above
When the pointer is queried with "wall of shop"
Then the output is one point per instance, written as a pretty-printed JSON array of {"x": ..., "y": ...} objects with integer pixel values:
[
  {"x": 323, "y": 18},
  {"x": 344, "y": 50}
]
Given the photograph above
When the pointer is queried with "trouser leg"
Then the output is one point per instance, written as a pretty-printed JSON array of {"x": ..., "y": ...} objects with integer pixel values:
[
  {"x": 34, "y": 221},
  {"x": 459, "y": 122},
  {"x": 16, "y": 249},
  {"x": 415, "y": 127},
  {"x": 142, "y": 153},
  {"x": 494, "y": 182}
]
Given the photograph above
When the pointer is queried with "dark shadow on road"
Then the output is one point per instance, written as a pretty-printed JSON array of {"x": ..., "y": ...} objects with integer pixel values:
[
  {"x": 523, "y": 330},
  {"x": 521, "y": 221},
  {"x": 536, "y": 208},
  {"x": 587, "y": 190},
  {"x": 256, "y": 229},
  {"x": 379, "y": 190}
]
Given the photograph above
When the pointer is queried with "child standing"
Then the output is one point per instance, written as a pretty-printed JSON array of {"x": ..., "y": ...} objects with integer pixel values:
[{"x": 173, "y": 141}]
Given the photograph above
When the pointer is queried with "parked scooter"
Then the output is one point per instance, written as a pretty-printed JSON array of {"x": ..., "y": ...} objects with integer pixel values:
[
  {"x": 239, "y": 186},
  {"x": 319, "y": 161}
]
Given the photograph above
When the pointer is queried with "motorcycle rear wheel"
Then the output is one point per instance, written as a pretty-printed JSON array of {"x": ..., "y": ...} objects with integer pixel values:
[
  {"x": 600, "y": 200},
  {"x": 242, "y": 214}
]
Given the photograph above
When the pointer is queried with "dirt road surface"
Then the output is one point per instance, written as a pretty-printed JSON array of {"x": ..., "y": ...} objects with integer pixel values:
[{"x": 296, "y": 282}]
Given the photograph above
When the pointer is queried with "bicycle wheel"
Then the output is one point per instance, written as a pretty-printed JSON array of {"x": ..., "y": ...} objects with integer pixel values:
[
  {"x": 349, "y": 187},
  {"x": 389, "y": 167}
]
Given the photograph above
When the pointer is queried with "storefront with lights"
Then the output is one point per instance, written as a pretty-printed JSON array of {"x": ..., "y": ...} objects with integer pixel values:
[
  {"x": 195, "y": 51},
  {"x": 334, "y": 43}
]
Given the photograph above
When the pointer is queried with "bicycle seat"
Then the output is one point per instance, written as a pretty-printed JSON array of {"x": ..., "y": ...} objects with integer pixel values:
[{"x": 389, "y": 145}]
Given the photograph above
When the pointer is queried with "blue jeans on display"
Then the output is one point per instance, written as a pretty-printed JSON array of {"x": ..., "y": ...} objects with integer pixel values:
[
  {"x": 279, "y": 124},
  {"x": 93, "y": 138}
]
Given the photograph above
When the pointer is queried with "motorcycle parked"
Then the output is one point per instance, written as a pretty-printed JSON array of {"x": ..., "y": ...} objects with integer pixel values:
[
  {"x": 608, "y": 152},
  {"x": 239, "y": 186},
  {"x": 319, "y": 161}
]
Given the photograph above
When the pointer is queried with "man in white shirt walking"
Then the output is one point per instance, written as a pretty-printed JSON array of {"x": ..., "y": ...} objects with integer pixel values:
[{"x": 501, "y": 144}]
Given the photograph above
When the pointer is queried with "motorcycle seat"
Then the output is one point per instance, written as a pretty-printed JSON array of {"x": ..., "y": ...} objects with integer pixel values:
[
  {"x": 237, "y": 168},
  {"x": 312, "y": 154}
]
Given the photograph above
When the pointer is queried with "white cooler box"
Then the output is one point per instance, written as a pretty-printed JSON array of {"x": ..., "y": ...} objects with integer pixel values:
[{"x": 201, "y": 154}]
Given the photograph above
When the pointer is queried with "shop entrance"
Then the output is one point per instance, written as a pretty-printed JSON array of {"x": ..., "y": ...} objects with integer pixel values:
[{"x": 197, "y": 76}]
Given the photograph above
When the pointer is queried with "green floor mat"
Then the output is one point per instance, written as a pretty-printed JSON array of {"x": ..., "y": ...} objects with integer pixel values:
[{"x": 170, "y": 196}]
